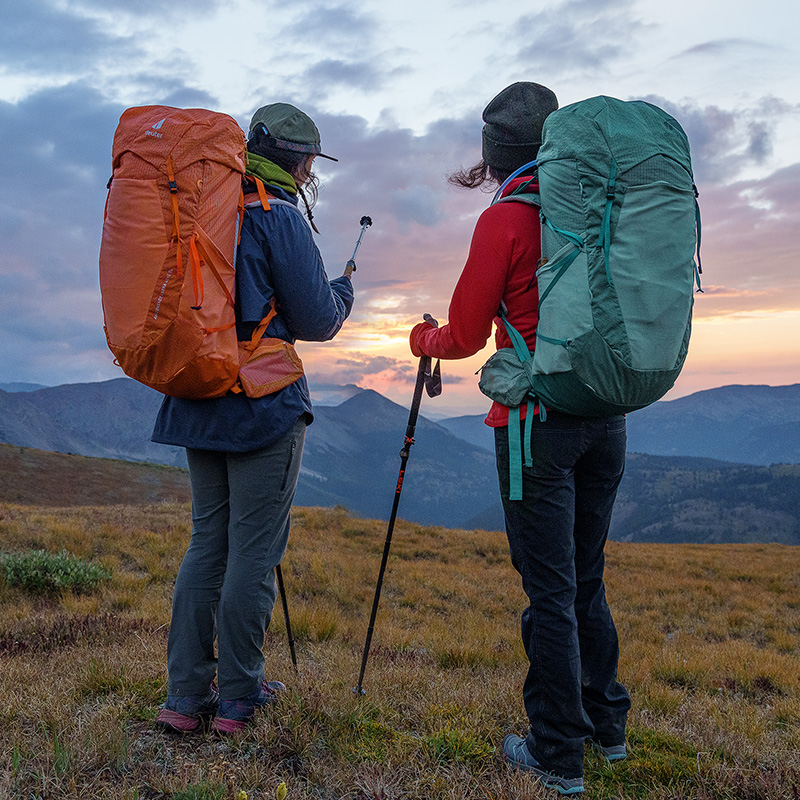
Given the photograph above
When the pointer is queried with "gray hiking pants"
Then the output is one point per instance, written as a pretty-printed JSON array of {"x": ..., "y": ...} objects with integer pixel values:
[{"x": 226, "y": 584}]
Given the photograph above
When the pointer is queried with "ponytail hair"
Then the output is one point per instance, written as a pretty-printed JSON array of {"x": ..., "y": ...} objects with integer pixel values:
[{"x": 478, "y": 175}]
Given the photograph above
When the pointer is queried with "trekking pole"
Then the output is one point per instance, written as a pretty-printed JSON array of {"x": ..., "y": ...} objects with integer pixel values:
[
  {"x": 432, "y": 381},
  {"x": 350, "y": 267},
  {"x": 282, "y": 590}
]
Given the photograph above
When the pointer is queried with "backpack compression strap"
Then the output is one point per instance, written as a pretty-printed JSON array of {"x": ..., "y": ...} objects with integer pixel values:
[
  {"x": 519, "y": 451},
  {"x": 176, "y": 217},
  {"x": 259, "y": 331}
]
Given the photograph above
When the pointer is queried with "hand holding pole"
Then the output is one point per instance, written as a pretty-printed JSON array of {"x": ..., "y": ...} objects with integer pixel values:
[{"x": 433, "y": 377}]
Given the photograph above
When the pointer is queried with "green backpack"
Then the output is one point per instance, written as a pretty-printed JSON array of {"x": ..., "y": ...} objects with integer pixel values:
[{"x": 620, "y": 228}]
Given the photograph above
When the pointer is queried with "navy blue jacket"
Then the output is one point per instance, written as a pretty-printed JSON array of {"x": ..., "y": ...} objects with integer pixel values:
[{"x": 277, "y": 256}]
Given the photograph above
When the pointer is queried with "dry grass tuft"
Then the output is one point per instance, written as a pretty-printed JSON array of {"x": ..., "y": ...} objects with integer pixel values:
[{"x": 710, "y": 639}]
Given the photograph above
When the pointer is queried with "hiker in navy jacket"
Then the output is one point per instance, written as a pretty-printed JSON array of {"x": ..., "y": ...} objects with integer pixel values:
[
  {"x": 244, "y": 453},
  {"x": 557, "y": 531}
]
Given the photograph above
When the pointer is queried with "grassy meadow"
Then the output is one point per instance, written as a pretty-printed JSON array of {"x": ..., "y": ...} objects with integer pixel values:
[{"x": 710, "y": 639}]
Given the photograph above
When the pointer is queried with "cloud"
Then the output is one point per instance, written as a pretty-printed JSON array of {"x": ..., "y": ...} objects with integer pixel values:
[
  {"x": 399, "y": 179},
  {"x": 369, "y": 365},
  {"x": 724, "y": 142},
  {"x": 321, "y": 23},
  {"x": 380, "y": 372},
  {"x": 165, "y": 88},
  {"x": 55, "y": 157},
  {"x": 321, "y": 78},
  {"x": 356, "y": 367},
  {"x": 576, "y": 35},
  {"x": 725, "y": 291},
  {"x": 150, "y": 7},
  {"x": 41, "y": 38},
  {"x": 749, "y": 246},
  {"x": 718, "y": 48}
]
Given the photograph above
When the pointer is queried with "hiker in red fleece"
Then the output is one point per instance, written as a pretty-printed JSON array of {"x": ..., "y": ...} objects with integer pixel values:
[{"x": 557, "y": 531}]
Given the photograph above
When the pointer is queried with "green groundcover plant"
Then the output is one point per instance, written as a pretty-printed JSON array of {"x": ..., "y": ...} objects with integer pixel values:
[{"x": 42, "y": 572}]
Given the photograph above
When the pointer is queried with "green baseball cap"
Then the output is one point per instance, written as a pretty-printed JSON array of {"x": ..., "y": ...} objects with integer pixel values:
[{"x": 290, "y": 128}]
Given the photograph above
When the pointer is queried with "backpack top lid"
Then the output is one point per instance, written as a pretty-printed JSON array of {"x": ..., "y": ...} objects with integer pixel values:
[
  {"x": 603, "y": 129},
  {"x": 187, "y": 134}
]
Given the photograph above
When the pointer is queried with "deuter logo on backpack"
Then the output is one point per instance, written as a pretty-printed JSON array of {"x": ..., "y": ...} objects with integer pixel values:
[{"x": 154, "y": 129}]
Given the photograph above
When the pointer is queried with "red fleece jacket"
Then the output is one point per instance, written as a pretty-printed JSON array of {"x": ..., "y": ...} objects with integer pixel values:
[{"x": 505, "y": 250}]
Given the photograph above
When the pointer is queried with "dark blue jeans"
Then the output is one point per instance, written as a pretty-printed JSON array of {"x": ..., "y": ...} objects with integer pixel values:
[{"x": 556, "y": 535}]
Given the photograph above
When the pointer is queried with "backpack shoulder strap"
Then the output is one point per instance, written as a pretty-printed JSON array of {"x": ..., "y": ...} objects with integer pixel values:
[
  {"x": 531, "y": 198},
  {"x": 523, "y": 194},
  {"x": 259, "y": 196},
  {"x": 255, "y": 193}
]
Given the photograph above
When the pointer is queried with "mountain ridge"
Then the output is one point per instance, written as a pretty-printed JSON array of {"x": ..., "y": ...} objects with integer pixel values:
[
  {"x": 352, "y": 458},
  {"x": 753, "y": 424}
]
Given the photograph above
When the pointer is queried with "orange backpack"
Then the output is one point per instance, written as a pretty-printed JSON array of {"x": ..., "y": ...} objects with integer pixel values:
[{"x": 172, "y": 222}]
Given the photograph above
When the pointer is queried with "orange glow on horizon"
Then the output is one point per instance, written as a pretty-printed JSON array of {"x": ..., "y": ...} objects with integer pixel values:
[{"x": 759, "y": 347}]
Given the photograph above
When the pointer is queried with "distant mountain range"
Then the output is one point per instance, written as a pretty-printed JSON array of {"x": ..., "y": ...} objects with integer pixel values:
[
  {"x": 352, "y": 457},
  {"x": 698, "y": 493},
  {"x": 685, "y": 499},
  {"x": 111, "y": 419},
  {"x": 742, "y": 424},
  {"x": 21, "y": 387}
]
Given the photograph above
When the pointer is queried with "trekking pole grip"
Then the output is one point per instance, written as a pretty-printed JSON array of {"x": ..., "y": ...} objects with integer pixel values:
[{"x": 432, "y": 377}]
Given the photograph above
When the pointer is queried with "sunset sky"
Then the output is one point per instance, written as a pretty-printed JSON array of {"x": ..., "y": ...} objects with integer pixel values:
[{"x": 397, "y": 91}]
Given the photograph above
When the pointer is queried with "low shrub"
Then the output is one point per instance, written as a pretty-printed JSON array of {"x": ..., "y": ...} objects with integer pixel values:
[{"x": 42, "y": 572}]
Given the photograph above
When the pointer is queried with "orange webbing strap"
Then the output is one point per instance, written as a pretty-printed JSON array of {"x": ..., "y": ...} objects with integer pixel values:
[
  {"x": 197, "y": 274},
  {"x": 176, "y": 218},
  {"x": 262, "y": 194},
  {"x": 219, "y": 328},
  {"x": 260, "y": 191},
  {"x": 262, "y": 326},
  {"x": 201, "y": 249}
]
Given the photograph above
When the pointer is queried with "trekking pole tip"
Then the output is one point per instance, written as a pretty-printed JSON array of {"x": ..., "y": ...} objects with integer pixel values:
[{"x": 358, "y": 691}]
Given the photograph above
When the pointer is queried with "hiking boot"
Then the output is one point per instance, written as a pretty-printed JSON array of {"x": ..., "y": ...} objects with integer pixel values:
[
  {"x": 233, "y": 715},
  {"x": 614, "y": 752},
  {"x": 186, "y": 713},
  {"x": 517, "y": 754}
]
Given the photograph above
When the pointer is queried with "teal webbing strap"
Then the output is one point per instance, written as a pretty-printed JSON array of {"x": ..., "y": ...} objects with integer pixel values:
[
  {"x": 514, "y": 456},
  {"x": 550, "y": 340},
  {"x": 565, "y": 260},
  {"x": 521, "y": 189},
  {"x": 568, "y": 259},
  {"x": 572, "y": 237},
  {"x": 530, "y": 413},
  {"x": 515, "y": 446},
  {"x": 520, "y": 345},
  {"x": 605, "y": 228}
]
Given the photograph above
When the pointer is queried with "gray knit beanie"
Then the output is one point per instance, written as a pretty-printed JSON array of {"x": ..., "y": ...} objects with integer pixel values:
[{"x": 513, "y": 130}]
